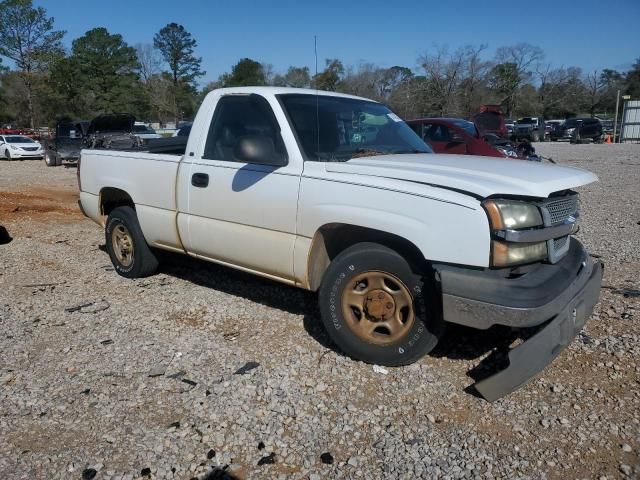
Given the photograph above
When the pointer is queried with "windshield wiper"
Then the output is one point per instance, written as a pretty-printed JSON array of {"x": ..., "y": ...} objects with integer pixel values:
[{"x": 364, "y": 152}]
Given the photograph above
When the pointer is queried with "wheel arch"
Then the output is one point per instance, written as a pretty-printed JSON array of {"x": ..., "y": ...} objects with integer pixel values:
[
  {"x": 332, "y": 238},
  {"x": 111, "y": 197}
]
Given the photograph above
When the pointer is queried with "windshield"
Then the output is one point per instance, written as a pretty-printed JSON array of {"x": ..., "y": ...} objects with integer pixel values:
[
  {"x": 526, "y": 121},
  {"x": 143, "y": 129},
  {"x": 348, "y": 128},
  {"x": 467, "y": 126},
  {"x": 18, "y": 139}
]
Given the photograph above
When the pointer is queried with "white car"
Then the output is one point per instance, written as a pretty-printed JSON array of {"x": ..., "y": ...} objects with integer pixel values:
[
  {"x": 19, "y": 147},
  {"x": 145, "y": 132},
  {"x": 336, "y": 194}
]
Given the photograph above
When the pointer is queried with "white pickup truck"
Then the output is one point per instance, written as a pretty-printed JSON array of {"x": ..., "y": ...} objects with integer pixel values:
[{"x": 336, "y": 194}]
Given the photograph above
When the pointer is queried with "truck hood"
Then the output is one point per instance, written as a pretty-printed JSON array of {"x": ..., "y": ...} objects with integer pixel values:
[{"x": 480, "y": 176}]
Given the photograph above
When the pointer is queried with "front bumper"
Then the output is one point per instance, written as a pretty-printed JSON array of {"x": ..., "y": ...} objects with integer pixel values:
[
  {"x": 24, "y": 154},
  {"x": 559, "y": 297}
]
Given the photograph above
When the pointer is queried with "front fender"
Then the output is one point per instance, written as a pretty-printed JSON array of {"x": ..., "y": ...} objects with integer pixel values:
[{"x": 442, "y": 230}]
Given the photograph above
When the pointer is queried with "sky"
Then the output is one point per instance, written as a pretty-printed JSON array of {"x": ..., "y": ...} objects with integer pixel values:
[{"x": 591, "y": 34}]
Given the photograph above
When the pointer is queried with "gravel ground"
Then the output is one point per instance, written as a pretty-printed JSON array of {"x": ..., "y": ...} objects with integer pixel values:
[{"x": 204, "y": 372}]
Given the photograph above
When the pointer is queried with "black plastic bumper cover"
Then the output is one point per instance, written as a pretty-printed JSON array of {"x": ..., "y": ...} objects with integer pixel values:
[
  {"x": 563, "y": 295},
  {"x": 531, "y": 357}
]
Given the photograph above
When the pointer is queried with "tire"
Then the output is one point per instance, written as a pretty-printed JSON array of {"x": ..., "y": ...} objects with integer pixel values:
[
  {"x": 7, "y": 155},
  {"x": 535, "y": 137},
  {"x": 50, "y": 159},
  {"x": 420, "y": 324},
  {"x": 597, "y": 139},
  {"x": 577, "y": 139},
  {"x": 130, "y": 255}
]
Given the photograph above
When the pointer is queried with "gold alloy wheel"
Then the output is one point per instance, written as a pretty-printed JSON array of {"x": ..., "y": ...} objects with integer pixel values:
[
  {"x": 122, "y": 245},
  {"x": 378, "y": 307}
]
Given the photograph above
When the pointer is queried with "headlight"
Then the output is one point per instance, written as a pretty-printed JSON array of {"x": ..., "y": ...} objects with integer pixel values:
[
  {"x": 570, "y": 130},
  {"x": 512, "y": 214},
  {"x": 13, "y": 147},
  {"x": 505, "y": 254}
]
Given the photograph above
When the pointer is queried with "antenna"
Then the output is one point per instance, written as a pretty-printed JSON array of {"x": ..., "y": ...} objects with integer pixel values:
[{"x": 315, "y": 49}]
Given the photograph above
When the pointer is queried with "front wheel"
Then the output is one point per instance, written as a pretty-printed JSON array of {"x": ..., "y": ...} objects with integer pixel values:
[
  {"x": 7, "y": 155},
  {"x": 377, "y": 309},
  {"x": 126, "y": 245}
]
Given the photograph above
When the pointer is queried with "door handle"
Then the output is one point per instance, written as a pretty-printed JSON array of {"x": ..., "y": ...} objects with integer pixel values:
[{"x": 200, "y": 180}]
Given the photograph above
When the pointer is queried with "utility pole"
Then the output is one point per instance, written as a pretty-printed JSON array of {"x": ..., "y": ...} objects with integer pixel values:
[{"x": 615, "y": 120}]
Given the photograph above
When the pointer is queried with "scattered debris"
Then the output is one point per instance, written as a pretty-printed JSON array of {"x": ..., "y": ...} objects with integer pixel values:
[
  {"x": 261, "y": 446},
  {"x": 33, "y": 285},
  {"x": 108, "y": 341},
  {"x": 268, "y": 460},
  {"x": 211, "y": 453},
  {"x": 91, "y": 307},
  {"x": 174, "y": 425},
  {"x": 247, "y": 367},
  {"x": 326, "y": 458},
  {"x": 157, "y": 371},
  {"x": 380, "y": 369},
  {"x": 189, "y": 382},
  {"x": 145, "y": 472},
  {"x": 89, "y": 474}
]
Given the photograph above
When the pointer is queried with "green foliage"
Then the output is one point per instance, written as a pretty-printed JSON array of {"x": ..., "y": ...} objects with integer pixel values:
[
  {"x": 329, "y": 79},
  {"x": 504, "y": 80},
  {"x": 632, "y": 81},
  {"x": 27, "y": 37},
  {"x": 177, "y": 48},
  {"x": 297, "y": 77},
  {"x": 101, "y": 75},
  {"x": 246, "y": 72}
]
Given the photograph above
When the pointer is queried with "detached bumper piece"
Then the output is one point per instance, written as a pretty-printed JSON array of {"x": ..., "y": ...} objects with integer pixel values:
[{"x": 560, "y": 299}]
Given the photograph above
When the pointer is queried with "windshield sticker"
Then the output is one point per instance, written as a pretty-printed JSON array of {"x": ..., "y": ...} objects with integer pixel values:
[{"x": 394, "y": 117}]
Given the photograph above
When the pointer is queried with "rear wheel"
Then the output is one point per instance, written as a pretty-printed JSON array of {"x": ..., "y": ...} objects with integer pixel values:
[
  {"x": 50, "y": 159},
  {"x": 376, "y": 309},
  {"x": 577, "y": 138},
  {"x": 126, "y": 245}
]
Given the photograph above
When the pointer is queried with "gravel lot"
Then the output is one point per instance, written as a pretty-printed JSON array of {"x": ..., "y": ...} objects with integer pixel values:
[{"x": 204, "y": 372}]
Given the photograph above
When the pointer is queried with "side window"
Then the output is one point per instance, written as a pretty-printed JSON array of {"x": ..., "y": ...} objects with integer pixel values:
[
  {"x": 239, "y": 116},
  {"x": 437, "y": 133},
  {"x": 430, "y": 132},
  {"x": 416, "y": 127}
]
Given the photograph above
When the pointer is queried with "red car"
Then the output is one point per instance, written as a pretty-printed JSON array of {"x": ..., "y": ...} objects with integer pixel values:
[{"x": 454, "y": 135}]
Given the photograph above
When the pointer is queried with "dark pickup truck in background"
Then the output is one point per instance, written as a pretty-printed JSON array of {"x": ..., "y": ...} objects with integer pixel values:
[{"x": 529, "y": 128}]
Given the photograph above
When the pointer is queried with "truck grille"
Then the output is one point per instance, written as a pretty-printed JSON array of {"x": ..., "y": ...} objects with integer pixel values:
[
  {"x": 556, "y": 211},
  {"x": 560, "y": 209}
]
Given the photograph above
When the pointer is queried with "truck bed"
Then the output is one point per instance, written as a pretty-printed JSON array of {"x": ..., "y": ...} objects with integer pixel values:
[{"x": 150, "y": 181}]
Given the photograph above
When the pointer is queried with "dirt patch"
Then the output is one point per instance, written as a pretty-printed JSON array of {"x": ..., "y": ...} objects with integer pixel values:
[{"x": 40, "y": 204}]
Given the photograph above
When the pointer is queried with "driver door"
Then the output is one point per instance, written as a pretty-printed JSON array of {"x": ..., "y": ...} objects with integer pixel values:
[{"x": 233, "y": 212}]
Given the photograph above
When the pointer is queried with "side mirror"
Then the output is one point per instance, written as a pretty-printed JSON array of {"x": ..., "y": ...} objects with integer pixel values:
[{"x": 258, "y": 149}]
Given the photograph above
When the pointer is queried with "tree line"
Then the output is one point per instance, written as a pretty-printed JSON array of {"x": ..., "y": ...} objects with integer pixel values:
[{"x": 158, "y": 81}]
